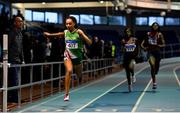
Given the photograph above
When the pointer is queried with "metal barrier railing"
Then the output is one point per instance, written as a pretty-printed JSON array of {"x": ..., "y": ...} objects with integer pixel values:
[
  {"x": 42, "y": 75},
  {"x": 42, "y": 79},
  {"x": 171, "y": 50}
]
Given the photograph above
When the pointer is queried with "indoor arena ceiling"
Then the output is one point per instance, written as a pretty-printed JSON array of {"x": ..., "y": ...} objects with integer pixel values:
[
  {"x": 119, "y": 4},
  {"x": 34, "y": 1}
]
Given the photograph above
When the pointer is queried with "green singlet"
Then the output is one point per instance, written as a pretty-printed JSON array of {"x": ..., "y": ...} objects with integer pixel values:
[{"x": 74, "y": 46}]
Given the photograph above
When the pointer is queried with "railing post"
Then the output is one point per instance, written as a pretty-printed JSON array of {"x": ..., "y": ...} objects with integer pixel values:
[{"x": 5, "y": 71}]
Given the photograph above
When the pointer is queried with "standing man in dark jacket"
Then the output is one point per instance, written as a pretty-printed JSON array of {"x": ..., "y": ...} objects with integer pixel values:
[{"x": 15, "y": 56}]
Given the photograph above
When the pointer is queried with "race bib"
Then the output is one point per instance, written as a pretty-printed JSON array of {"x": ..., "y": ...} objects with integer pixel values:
[
  {"x": 152, "y": 41},
  {"x": 130, "y": 47},
  {"x": 71, "y": 44}
]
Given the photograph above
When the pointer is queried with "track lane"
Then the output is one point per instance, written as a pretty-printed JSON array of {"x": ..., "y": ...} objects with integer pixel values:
[
  {"x": 166, "y": 97},
  {"x": 88, "y": 97}
]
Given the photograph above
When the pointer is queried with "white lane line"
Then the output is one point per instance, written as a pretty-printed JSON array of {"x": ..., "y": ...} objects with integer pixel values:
[
  {"x": 140, "y": 98},
  {"x": 108, "y": 91},
  {"x": 56, "y": 97},
  {"x": 176, "y": 76},
  {"x": 99, "y": 96},
  {"x": 74, "y": 90}
]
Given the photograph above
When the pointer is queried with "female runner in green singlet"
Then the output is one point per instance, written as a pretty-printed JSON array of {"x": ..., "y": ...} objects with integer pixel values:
[{"x": 73, "y": 54}]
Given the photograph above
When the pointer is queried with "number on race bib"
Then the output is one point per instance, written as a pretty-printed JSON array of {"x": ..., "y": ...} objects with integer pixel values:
[
  {"x": 71, "y": 44},
  {"x": 152, "y": 41},
  {"x": 130, "y": 47}
]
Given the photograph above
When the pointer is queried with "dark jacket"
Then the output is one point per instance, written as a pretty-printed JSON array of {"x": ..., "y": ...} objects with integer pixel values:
[{"x": 15, "y": 46}]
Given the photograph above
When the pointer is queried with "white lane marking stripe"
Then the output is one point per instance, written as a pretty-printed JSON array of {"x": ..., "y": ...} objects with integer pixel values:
[
  {"x": 176, "y": 76},
  {"x": 140, "y": 98},
  {"x": 74, "y": 90},
  {"x": 99, "y": 96},
  {"x": 107, "y": 91},
  {"x": 54, "y": 98}
]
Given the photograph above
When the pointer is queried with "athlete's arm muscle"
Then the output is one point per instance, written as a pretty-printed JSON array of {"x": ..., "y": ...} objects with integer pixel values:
[
  {"x": 85, "y": 37},
  {"x": 58, "y": 34},
  {"x": 162, "y": 44}
]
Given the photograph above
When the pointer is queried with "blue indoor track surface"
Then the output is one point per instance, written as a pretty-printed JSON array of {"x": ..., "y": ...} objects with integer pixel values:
[{"x": 110, "y": 93}]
